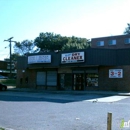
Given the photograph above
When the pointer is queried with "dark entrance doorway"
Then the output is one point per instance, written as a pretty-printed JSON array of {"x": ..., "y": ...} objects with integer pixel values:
[{"x": 78, "y": 81}]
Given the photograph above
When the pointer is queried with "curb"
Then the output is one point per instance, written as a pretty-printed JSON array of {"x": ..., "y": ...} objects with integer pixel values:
[{"x": 69, "y": 92}]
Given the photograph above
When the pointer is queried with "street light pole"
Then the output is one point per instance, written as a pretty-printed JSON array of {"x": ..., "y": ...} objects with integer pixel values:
[{"x": 9, "y": 40}]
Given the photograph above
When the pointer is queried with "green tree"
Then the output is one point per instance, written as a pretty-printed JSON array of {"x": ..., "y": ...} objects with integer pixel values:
[
  {"x": 26, "y": 46},
  {"x": 50, "y": 41},
  {"x": 127, "y": 29},
  {"x": 14, "y": 56},
  {"x": 75, "y": 43}
]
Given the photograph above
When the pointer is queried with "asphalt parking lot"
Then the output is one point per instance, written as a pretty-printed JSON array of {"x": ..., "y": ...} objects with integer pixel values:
[{"x": 44, "y": 111}]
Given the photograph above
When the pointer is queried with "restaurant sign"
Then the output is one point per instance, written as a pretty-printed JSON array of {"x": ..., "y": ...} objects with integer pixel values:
[
  {"x": 39, "y": 59},
  {"x": 74, "y": 57}
]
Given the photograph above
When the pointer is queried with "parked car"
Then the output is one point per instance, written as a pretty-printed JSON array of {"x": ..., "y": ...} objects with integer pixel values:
[
  {"x": 3, "y": 87},
  {"x": 3, "y": 77}
]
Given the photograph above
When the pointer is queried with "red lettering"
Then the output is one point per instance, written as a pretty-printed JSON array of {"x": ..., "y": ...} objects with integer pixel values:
[
  {"x": 76, "y": 54},
  {"x": 112, "y": 73},
  {"x": 119, "y": 73},
  {"x": 73, "y": 54}
]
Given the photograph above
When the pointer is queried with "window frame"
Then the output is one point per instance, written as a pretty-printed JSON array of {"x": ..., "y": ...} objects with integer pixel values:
[
  {"x": 100, "y": 43},
  {"x": 112, "y": 42},
  {"x": 127, "y": 41}
]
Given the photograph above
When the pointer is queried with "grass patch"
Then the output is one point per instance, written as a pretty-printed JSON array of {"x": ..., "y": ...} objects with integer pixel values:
[{"x": 8, "y": 82}]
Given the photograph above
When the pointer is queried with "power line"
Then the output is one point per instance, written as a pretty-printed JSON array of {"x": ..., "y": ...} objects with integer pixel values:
[
  {"x": 3, "y": 54},
  {"x": 7, "y": 56}
]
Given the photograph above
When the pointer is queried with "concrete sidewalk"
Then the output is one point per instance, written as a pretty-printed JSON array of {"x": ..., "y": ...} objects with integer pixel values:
[{"x": 13, "y": 88}]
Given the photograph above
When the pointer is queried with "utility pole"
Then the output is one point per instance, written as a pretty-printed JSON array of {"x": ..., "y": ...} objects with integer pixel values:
[{"x": 10, "y": 41}]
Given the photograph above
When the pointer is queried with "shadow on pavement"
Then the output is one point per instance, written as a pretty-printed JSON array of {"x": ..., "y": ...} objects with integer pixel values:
[{"x": 12, "y": 96}]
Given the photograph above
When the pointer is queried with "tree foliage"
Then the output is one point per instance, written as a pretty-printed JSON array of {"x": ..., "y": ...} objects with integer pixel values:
[
  {"x": 51, "y": 42},
  {"x": 24, "y": 47},
  {"x": 46, "y": 42},
  {"x": 75, "y": 43},
  {"x": 14, "y": 56},
  {"x": 127, "y": 29}
]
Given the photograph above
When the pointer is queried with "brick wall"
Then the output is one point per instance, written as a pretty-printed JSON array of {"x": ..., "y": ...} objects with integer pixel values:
[
  {"x": 3, "y": 65},
  {"x": 31, "y": 74},
  {"x": 114, "y": 84},
  {"x": 19, "y": 77},
  {"x": 120, "y": 42},
  {"x": 28, "y": 78}
]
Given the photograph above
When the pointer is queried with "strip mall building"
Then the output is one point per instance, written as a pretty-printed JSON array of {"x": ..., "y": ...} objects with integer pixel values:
[{"x": 104, "y": 66}]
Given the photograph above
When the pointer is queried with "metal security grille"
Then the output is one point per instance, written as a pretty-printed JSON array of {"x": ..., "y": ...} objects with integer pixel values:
[
  {"x": 51, "y": 78},
  {"x": 41, "y": 78}
]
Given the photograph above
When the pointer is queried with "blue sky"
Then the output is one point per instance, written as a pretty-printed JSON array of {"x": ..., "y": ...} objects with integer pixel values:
[{"x": 25, "y": 19}]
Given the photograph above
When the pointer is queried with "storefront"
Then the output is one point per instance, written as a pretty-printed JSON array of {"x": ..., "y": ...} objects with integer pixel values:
[
  {"x": 46, "y": 78},
  {"x": 78, "y": 78},
  {"x": 88, "y": 69}
]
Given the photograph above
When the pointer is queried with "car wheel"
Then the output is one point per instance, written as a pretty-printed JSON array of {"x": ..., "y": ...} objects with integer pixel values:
[{"x": 3, "y": 88}]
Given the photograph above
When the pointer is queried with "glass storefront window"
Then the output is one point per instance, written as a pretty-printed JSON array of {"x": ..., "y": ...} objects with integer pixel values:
[
  {"x": 91, "y": 80},
  {"x": 62, "y": 81},
  {"x": 78, "y": 81},
  {"x": 65, "y": 81}
]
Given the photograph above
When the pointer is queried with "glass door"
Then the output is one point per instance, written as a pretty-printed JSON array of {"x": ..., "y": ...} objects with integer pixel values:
[{"x": 78, "y": 81}]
